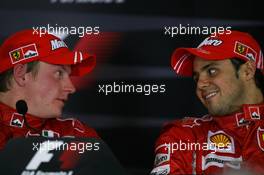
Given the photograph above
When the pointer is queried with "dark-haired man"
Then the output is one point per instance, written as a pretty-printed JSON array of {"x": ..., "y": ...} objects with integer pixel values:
[{"x": 228, "y": 72}]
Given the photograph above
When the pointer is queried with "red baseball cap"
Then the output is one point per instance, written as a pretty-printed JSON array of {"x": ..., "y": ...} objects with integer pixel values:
[
  {"x": 220, "y": 46},
  {"x": 26, "y": 46}
]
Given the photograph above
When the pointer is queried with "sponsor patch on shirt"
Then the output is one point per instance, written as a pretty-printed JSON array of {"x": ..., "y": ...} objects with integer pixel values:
[
  {"x": 254, "y": 112},
  {"x": 212, "y": 159},
  {"x": 162, "y": 154},
  {"x": 220, "y": 142},
  {"x": 161, "y": 158},
  {"x": 161, "y": 170},
  {"x": 17, "y": 120},
  {"x": 260, "y": 137},
  {"x": 50, "y": 134},
  {"x": 240, "y": 119}
]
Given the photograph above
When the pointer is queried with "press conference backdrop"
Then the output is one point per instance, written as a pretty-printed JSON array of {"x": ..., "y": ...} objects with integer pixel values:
[{"x": 133, "y": 42}]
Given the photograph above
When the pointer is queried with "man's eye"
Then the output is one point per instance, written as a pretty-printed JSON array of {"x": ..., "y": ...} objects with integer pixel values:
[
  {"x": 212, "y": 71},
  {"x": 59, "y": 73}
]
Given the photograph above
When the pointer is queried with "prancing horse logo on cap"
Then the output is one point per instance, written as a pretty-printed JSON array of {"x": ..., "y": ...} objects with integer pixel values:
[
  {"x": 245, "y": 51},
  {"x": 240, "y": 48},
  {"x": 23, "y": 53},
  {"x": 16, "y": 55}
]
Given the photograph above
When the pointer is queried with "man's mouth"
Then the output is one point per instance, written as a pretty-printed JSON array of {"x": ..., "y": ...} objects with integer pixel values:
[
  {"x": 209, "y": 95},
  {"x": 62, "y": 100}
]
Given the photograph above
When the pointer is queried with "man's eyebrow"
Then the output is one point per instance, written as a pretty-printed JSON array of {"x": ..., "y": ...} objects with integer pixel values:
[
  {"x": 208, "y": 65},
  {"x": 66, "y": 69},
  {"x": 205, "y": 67}
]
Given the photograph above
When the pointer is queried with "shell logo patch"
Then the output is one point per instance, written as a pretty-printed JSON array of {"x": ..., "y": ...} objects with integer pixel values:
[{"x": 221, "y": 140}]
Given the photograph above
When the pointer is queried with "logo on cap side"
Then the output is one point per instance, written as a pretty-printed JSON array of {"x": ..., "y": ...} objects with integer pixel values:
[
  {"x": 23, "y": 53},
  {"x": 245, "y": 51}
]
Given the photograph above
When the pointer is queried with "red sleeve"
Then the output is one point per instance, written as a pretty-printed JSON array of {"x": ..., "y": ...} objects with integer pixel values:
[{"x": 171, "y": 155}]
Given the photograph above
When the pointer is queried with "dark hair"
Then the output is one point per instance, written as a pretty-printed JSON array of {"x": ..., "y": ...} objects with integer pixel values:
[
  {"x": 5, "y": 77},
  {"x": 259, "y": 77}
]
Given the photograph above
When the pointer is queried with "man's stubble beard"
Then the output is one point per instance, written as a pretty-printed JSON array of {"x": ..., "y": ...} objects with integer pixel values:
[{"x": 231, "y": 104}]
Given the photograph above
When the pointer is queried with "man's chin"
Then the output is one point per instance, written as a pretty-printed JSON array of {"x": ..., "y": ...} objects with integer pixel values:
[
  {"x": 217, "y": 112},
  {"x": 54, "y": 115},
  {"x": 213, "y": 110}
]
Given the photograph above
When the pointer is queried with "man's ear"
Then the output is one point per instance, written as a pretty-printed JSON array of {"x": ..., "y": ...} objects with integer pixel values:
[
  {"x": 247, "y": 70},
  {"x": 19, "y": 73}
]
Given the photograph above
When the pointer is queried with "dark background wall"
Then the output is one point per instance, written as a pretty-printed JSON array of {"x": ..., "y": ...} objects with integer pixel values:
[{"x": 132, "y": 49}]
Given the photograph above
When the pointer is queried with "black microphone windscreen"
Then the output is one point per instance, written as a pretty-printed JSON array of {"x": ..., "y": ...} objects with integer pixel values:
[{"x": 21, "y": 107}]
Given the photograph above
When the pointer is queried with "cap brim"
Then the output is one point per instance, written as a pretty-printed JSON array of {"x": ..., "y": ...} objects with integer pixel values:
[
  {"x": 85, "y": 67},
  {"x": 182, "y": 59},
  {"x": 82, "y": 63}
]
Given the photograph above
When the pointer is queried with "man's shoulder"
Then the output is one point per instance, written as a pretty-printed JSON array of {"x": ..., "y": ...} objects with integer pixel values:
[
  {"x": 186, "y": 130},
  {"x": 189, "y": 122},
  {"x": 66, "y": 121},
  {"x": 74, "y": 125},
  {"x": 186, "y": 126}
]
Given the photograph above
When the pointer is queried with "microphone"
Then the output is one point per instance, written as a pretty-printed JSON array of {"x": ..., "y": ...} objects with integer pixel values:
[{"x": 21, "y": 107}]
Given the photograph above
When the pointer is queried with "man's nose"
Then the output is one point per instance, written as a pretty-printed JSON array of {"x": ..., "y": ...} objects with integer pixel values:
[
  {"x": 68, "y": 86},
  {"x": 203, "y": 82}
]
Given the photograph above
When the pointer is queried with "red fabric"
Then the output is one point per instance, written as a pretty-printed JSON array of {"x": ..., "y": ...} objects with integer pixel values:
[
  {"x": 27, "y": 46},
  {"x": 244, "y": 131},
  {"x": 56, "y": 127},
  {"x": 233, "y": 44}
]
